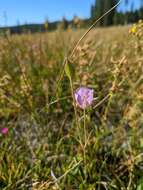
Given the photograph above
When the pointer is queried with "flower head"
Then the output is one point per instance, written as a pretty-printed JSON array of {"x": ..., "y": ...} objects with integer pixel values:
[
  {"x": 4, "y": 130},
  {"x": 133, "y": 30},
  {"x": 84, "y": 97}
]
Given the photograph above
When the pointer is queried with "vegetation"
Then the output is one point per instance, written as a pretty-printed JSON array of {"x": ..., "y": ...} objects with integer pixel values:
[
  {"x": 102, "y": 6},
  {"x": 115, "y": 17},
  {"x": 53, "y": 144}
]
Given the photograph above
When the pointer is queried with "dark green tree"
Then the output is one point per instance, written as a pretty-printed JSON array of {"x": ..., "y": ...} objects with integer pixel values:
[
  {"x": 92, "y": 12},
  {"x": 109, "y": 19},
  {"x": 127, "y": 14},
  {"x": 141, "y": 10},
  {"x": 64, "y": 23},
  {"x": 99, "y": 10},
  {"x": 102, "y": 6}
]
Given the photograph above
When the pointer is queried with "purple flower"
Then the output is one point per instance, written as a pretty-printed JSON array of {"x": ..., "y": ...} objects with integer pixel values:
[
  {"x": 4, "y": 130},
  {"x": 84, "y": 97}
]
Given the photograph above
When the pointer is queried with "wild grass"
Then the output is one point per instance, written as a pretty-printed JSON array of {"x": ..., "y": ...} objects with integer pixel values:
[{"x": 51, "y": 143}]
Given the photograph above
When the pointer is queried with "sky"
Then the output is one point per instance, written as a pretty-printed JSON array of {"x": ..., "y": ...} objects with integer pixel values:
[{"x": 14, "y": 12}]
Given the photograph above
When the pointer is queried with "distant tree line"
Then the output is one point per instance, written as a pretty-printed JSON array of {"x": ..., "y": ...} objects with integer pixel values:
[
  {"x": 97, "y": 9},
  {"x": 64, "y": 24},
  {"x": 115, "y": 17}
]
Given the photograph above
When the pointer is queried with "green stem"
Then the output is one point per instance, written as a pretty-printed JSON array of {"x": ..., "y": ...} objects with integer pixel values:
[
  {"x": 85, "y": 140},
  {"x": 75, "y": 111},
  {"x": 85, "y": 137}
]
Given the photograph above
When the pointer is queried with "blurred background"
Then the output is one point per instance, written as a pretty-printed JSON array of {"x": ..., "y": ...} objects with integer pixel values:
[{"x": 39, "y": 16}]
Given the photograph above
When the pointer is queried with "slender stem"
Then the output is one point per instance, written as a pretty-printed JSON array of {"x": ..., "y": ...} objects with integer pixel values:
[
  {"x": 58, "y": 100},
  {"x": 85, "y": 136},
  {"x": 69, "y": 170},
  {"x": 75, "y": 111},
  {"x": 85, "y": 141},
  {"x": 103, "y": 100},
  {"x": 79, "y": 41},
  {"x": 92, "y": 26},
  {"x": 108, "y": 106}
]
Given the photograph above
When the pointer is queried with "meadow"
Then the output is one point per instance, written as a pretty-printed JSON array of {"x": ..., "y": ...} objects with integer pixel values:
[{"x": 48, "y": 142}]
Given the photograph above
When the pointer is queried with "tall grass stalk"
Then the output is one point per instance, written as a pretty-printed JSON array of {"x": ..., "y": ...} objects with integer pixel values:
[{"x": 79, "y": 41}]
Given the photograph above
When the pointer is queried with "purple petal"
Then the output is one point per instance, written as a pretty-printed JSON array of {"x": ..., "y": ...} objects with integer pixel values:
[{"x": 84, "y": 97}]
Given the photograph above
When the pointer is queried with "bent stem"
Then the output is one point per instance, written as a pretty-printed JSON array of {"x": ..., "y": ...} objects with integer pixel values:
[{"x": 81, "y": 39}]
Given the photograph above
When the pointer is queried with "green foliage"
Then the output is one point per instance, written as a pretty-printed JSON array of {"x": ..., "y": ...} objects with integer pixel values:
[
  {"x": 115, "y": 17},
  {"x": 140, "y": 186},
  {"x": 100, "y": 7}
]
